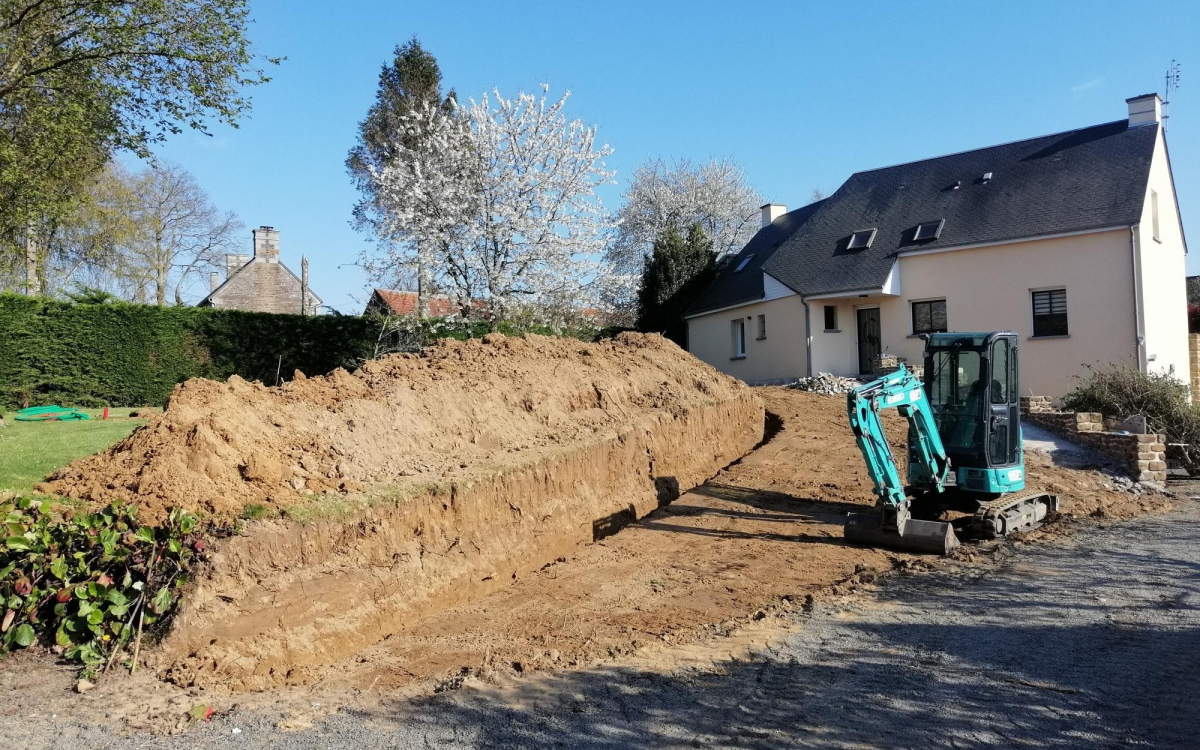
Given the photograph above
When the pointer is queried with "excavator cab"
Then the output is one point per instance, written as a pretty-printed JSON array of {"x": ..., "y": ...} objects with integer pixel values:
[{"x": 972, "y": 387}]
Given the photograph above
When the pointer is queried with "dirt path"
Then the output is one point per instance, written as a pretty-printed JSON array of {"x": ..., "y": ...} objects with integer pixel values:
[{"x": 722, "y": 569}]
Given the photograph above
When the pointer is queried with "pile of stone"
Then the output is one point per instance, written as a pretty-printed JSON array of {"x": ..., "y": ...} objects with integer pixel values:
[{"x": 826, "y": 384}]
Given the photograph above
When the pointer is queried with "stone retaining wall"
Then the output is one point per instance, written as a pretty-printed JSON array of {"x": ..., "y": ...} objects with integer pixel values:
[{"x": 1143, "y": 456}]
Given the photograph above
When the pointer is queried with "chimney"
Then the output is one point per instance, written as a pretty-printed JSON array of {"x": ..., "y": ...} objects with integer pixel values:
[
  {"x": 234, "y": 261},
  {"x": 1144, "y": 109},
  {"x": 266, "y": 243},
  {"x": 771, "y": 212},
  {"x": 214, "y": 281}
]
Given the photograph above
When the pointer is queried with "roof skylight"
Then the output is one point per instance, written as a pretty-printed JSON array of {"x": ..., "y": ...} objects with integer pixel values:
[
  {"x": 742, "y": 265},
  {"x": 928, "y": 230},
  {"x": 861, "y": 239}
]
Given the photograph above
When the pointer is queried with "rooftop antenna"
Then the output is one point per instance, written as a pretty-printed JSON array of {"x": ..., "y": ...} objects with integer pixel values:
[{"x": 1172, "y": 87}]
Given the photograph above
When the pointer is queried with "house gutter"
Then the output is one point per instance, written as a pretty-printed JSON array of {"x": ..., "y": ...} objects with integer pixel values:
[
  {"x": 1139, "y": 324},
  {"x": 807, "y": 338}
]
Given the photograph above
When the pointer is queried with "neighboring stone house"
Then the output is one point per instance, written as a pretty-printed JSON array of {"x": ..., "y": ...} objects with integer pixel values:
[
  {"x": 1073, "y": 240},
  {"x": 261, "y": 283}
]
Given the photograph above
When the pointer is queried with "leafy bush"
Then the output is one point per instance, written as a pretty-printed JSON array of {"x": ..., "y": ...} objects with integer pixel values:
[
  {"x": 92, "y": 583},
  {"x": 1121, "y": 391}
]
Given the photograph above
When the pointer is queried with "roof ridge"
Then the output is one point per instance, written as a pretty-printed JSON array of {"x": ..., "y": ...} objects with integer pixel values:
[{"x": 985, "y": 148}]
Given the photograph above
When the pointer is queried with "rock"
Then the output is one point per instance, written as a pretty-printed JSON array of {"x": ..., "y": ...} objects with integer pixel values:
[
  {"x": 297, "y": 483},
  {"x": 308, "y": 463},
  {"x": 83, "y": 686},
  {"x": 262, "y": 468},
  {"x": 826, "y": 384}
]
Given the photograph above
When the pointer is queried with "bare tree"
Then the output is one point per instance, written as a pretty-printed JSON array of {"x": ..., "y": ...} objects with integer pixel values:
[{"x": 175, "y": 231}]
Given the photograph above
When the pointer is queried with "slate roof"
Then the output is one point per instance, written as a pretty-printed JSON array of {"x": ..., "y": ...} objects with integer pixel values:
[
  {"x": 732, "y": 287},
  {"x": 1082, "y": 179}
]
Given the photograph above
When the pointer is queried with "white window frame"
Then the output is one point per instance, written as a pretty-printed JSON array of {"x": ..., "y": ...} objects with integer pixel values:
[
  {"x": 835, "y": 328},
  {"x": 870, "y": 238},
  {"x": 937, "y": 230},
  {"x": 737, "y": 329}
]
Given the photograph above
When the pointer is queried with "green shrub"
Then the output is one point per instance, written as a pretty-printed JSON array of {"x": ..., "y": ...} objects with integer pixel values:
[
  {"x": 1120, "y": 391},
  {"x": 120, "y": 354},
  {"x": 88, "y": 585}
]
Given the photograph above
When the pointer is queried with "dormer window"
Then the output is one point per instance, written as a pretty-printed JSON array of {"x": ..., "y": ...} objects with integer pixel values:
[
  {"x": 861, "y": 239},
  {"x": 742, "y": 265},
  {"x": 928, "y": 230}
]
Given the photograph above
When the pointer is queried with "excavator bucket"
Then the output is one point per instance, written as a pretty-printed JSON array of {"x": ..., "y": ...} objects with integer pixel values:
[{"x": 914, "y": 536}]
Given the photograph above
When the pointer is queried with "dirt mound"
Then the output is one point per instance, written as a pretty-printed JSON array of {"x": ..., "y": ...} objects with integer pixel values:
[{"x": 457, "y": 409}]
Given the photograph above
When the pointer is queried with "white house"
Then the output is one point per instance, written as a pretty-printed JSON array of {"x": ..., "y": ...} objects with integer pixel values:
[{"x": 1074, "y": 240}]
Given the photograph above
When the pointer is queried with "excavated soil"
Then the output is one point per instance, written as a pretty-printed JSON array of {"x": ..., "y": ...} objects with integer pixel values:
[
  {"x": 414, "y": 484},
  {"x": 694, "y": 581},
  {"x": 458, "y": 411},
  {"x": 760, "y": 537}
]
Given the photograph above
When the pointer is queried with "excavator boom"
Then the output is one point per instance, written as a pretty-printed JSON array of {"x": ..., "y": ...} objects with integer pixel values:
[{"x": 891, "y": 524}]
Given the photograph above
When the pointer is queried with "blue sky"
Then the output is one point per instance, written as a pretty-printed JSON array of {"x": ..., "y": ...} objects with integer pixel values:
[{"x": 800, "y": 94}]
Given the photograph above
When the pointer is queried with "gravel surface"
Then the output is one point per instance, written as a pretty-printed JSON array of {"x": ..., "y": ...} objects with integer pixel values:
[{"x": 1092, "y": 644}]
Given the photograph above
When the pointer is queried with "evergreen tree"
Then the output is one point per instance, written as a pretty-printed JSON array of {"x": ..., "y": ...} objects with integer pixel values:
[
  {"x": 678, "y": 269},
  {"x": 411, "y": 81}
]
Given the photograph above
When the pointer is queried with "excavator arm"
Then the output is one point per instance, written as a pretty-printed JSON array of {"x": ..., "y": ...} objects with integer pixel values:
[
  {"x": 903, "y": 391},
  {"x": 891, "y": 523}
]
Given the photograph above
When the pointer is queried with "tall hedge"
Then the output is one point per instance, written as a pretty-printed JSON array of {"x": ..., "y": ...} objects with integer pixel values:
[
  {"x": 121, "y": 354},
  {"x": 131, "y": 355}
]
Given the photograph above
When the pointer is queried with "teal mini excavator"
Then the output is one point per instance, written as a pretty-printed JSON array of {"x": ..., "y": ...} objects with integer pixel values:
[{"x": 964, "y": 447}]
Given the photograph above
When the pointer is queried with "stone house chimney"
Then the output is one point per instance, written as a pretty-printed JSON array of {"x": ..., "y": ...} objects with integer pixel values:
[
  {"x": 266, "y": 243},
  {"x": 234, "y": 261},
  {"x": 1144, "y": 109},
  {"x": 771, "y": 212},
  {"x": 214, "y": 281}
]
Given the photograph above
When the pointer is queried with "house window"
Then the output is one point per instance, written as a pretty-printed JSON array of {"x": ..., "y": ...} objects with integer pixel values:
[
  {"x": 831, "y": 317},
  {"x": 928, "y": 230},
  {"x": 861, "y": 239},
  {"x": 742, "y": 265},
  {"x": 762, "y": 327},
  {"x": 739, "y": 339},
  {"x": 1154, "y": 215},
  {"x": 929, "y": 316},
  {"x": 1050, "y": 312}
]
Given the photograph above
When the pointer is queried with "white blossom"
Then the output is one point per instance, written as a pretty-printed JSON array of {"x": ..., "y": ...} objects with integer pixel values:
[
  {"x": 716, "y": 194},
  {"x": 499, "y": 201}
]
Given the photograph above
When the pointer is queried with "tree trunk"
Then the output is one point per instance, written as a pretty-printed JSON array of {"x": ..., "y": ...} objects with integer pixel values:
[
  {"x": 424, "y": 285},
  {"x": 33, "y": 277},
  {"x": 160, "y": 288}
]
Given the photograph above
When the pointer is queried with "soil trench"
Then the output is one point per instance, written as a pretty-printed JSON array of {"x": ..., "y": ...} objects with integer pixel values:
[{"x": 761, "y": 536}]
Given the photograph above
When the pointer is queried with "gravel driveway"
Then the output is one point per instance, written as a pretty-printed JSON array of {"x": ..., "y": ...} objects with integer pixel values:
[{"x": 1091, "y": 644}]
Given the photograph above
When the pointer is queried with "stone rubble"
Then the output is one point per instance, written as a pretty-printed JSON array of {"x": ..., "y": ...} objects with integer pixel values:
[{"x": 826, "y": 384}]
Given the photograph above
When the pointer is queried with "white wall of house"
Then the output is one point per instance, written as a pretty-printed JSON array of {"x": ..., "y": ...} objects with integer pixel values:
[
  {"x": 835, "y": 350},
  {"x": 1164, "y": 296},
  {"x": 780, "y": 356},
  {"x": 991, "y": 288}
]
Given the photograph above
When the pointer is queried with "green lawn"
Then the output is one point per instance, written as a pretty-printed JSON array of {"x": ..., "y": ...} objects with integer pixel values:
[{"x": 31, "y": 450}]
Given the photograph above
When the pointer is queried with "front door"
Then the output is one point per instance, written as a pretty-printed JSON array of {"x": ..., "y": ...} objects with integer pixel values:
[{"x": 868, "y": 338}]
